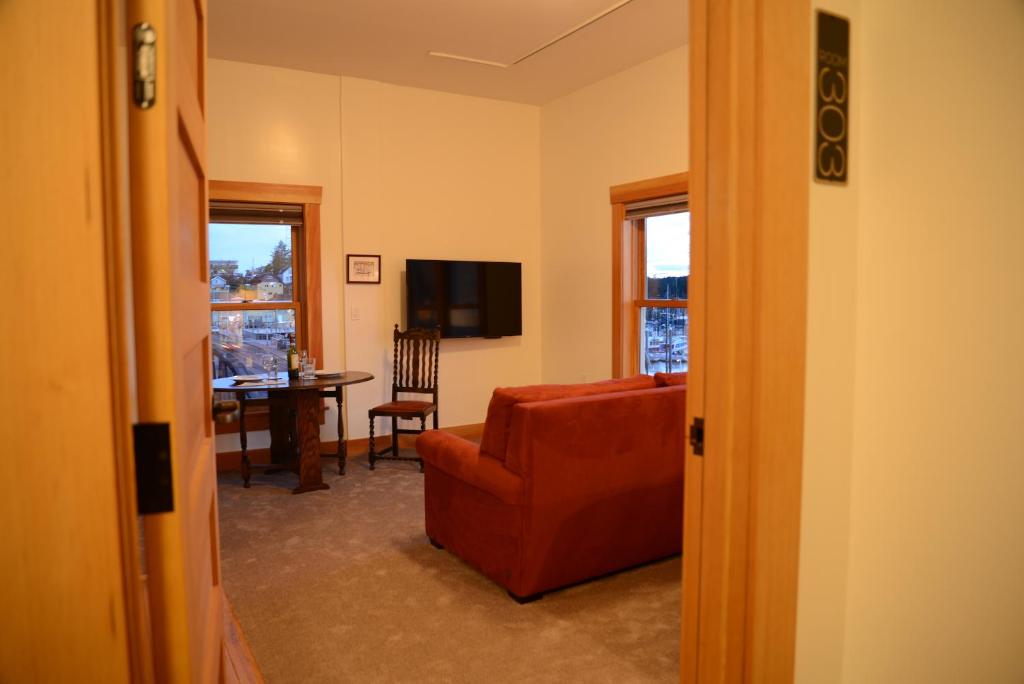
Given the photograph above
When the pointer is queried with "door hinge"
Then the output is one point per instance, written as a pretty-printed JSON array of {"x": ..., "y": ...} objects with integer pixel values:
[
  {"x": 154, "y": 485},
  {"x": 697, "y": 436},
  {"x": 144, "y": 65}
]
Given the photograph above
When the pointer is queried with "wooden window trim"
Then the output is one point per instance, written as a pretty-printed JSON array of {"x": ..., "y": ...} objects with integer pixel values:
[
  {"x": 244, "y": 191},
  {"x": 661, "y": 303},
  {"x": 650, "y": 188},
  {"x": 308, "y": 304},
  {"x": 627, "y": 277},
  {"x": 254, "y": 306}
]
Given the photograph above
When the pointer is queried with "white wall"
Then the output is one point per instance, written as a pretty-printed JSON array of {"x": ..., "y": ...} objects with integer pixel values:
[
  {"x": 932, "y": 538},
  {"x": 434, "y": 175},
  {"x": 282, "y": 126},
  {"x": 627, "y": 127}
]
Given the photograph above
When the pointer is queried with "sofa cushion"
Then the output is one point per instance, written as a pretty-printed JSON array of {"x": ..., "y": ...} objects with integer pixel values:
[
  {"x": 669, "y": 379},
  {"x": 499, "y": 413}
]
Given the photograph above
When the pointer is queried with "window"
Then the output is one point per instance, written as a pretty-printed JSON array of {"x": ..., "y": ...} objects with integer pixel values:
[
  {"x": 664, "y": 268},
  {"x": 264, "y": 265},
  {"x": 651, "y": 270},
  {"x": 253, "y": 307}
]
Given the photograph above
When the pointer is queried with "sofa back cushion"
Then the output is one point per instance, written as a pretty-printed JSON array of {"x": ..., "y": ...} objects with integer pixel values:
[
  {"x": 669, "y": 379},
  {"x": 494, "y": 442}
]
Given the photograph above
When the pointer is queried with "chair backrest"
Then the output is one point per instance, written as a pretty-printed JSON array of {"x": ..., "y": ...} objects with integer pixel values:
[{"x": 416, "y": 357}]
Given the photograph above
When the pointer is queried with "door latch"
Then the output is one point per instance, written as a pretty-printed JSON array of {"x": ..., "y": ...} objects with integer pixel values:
[
  {"x": 697, "y": 436},
  {"x": 144, "y": 65},
  {"x": 154, "y": 484}
]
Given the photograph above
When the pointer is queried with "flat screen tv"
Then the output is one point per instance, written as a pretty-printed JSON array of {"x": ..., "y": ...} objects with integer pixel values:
[{"x": 465, "y": 298}]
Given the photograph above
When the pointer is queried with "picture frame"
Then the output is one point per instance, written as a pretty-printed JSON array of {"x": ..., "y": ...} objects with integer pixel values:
[{"x": 362, "y": 269}]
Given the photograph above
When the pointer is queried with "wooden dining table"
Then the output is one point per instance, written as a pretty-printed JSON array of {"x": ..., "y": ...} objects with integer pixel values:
[{"x": 295, "y": 409}]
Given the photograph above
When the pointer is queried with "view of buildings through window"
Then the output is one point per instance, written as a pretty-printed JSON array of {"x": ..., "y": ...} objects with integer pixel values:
[
  {"x": 251, "y": 291},
  {"x": 664, "y": 324}
]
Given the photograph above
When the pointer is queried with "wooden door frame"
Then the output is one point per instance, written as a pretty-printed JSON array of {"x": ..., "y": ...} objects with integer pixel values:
[
  {"x": 749, "y": 188},
  {"x": 748, "y": 193}
]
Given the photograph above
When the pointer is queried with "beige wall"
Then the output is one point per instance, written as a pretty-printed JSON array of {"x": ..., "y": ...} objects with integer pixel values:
[
  {"x": 438, "y": 176},
  {"x": 828, "y": 423},
  {"x": 931, "y": 543},
  {"x": 425, "y": 174},
  {"x": 282, "y": 126},
  {"x": 627, "y": 127}
]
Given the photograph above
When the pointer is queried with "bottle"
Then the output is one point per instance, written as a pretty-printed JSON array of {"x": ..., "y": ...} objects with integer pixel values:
[{"x": 293, "y": 359}]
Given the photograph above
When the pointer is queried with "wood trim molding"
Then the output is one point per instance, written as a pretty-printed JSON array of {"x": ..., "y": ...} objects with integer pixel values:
[
  {"x": 312, "y": 290},
  {"x": 245, "y": 191},
  {"x": 626, "y": 278},
  {"x": 117, "y": 243},
  {"x": 695, "y": 379},
  {"x": 650, "y": 188},
  {"x": 238, "y": 663},
  {"x": 662, "y": 303},
  {"x": 622, "y": 277},
  {"x": 309, "y": 307},
  {"x": 251, "y": 306},
  {"x": 750, "y": 146},
  {"x": 229, "y": 461}
]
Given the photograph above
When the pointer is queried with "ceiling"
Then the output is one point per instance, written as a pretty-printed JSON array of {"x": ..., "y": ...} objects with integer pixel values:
[{"x": 389, "y": 40}]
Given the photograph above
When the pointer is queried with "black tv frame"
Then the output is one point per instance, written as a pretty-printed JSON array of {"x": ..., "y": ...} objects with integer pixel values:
[{"x": 442, "y": 311}]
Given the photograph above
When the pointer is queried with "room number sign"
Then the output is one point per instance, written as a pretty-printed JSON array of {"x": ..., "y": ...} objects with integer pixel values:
[{"x": 832, "y": 97}]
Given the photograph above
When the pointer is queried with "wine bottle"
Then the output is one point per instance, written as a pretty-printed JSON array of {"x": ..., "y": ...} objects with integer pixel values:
[{"x": 293, "y": 359}]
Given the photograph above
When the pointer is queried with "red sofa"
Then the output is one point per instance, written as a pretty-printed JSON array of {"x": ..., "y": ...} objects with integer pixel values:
[{"x": 569, "y": 482}]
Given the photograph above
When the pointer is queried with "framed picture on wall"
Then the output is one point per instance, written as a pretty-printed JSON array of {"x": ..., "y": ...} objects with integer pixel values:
[{"x": 363, "y": 268}]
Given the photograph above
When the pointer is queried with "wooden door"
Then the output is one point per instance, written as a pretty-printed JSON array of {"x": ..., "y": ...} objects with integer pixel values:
[
  {"x": 63, "y": 592},
  {"x": 172, "y": 330}
]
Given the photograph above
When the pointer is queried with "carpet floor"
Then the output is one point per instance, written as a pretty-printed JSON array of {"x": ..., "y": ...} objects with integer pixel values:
[{"x": 342, "y": 586}]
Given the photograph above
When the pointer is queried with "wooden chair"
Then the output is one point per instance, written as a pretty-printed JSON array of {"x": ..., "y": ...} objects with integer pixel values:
[{"x": 415, "y": 371}]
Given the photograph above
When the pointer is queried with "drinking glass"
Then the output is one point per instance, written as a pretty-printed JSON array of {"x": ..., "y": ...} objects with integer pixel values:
[
  {"x": 308, "y": 368},
  {"x": 270, "y": 367}
]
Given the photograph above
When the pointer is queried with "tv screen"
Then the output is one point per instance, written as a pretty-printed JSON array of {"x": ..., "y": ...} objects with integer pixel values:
[{"x": 465, "y": 298}]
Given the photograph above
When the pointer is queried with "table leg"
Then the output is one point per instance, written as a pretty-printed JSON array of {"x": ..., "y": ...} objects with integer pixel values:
[
  {"x": 307, "y": 418},
  {"x": 281, "y": 449},
  {"x": 243, "y": 440},
  {"x": 342, "y": 446}
]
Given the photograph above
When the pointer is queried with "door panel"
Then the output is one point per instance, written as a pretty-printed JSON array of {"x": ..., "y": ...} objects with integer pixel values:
[
  {"x": 169, "y": 200},
  {"x": 65, "y": 587},
  {"x": 191, "y": 43}
]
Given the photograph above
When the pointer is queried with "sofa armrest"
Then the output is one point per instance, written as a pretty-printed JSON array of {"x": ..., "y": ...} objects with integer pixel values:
[{"x": 461, "y": 459}]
